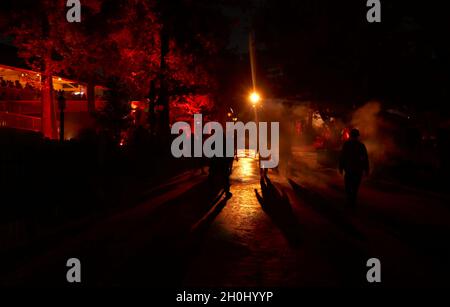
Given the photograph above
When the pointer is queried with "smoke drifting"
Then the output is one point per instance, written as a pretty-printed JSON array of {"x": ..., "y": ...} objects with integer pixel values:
[
  {"x": 374, "y": 133},
  {"x": 377, "y": 132}
]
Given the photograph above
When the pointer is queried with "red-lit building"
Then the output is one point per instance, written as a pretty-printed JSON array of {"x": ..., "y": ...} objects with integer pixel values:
[
  {"x": 21, "y": 102},
  {"x": 21, "y": 98}
]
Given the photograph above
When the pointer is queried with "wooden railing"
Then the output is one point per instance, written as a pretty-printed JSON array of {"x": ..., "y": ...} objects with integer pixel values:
[{"x": 18, "y": 121}]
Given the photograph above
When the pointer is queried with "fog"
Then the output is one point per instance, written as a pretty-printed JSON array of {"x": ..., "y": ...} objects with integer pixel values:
[{"x": 376, "y": 133}]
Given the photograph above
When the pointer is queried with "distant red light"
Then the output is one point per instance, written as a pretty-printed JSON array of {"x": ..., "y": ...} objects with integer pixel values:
[
  {"x": 134, "y": 105},
  {"x": 346, "y": 134}
]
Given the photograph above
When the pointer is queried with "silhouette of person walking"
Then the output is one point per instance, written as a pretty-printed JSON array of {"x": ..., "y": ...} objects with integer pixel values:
[
  {"x": 227, "y": 166},
  {"x": 220, "y": 169},
  {"x": 354, "y": 162}
]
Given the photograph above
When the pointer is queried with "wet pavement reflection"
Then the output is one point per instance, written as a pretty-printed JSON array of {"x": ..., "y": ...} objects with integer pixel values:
[{"x": 243, "y": 246}]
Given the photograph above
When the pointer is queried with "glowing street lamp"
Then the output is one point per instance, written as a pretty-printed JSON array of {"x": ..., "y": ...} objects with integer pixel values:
[{"x": 255, "y": 98}]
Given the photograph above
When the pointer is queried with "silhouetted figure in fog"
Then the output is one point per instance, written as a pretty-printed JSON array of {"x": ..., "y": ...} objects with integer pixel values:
[
  {"x": 354, "y": 162},
  {"x": 228, "y": 167},
  {"x": 220, "y": 170}
]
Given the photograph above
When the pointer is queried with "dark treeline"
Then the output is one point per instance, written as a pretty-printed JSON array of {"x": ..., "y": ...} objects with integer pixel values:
[{"x": 328, "y": 51}]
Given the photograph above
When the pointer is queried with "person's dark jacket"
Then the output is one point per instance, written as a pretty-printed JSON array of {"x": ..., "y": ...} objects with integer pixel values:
[{"x": 354, "y": 158}]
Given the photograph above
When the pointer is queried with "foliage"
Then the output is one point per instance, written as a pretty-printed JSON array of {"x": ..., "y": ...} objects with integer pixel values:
[
  {"x": 114, "y": 115},
  {"x": 122, "y": 40}
]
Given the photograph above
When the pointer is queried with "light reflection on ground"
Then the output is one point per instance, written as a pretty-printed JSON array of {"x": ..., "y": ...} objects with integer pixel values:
[
  {"x": 245, "y": 170},
  {"x": 242, "y": 231}
]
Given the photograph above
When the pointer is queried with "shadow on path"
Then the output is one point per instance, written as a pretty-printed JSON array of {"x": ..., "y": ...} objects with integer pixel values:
[
  {"x": 277, "y": 206},
  {"x": 147, "y": 248},
  {"x": 164, "y": 259},
  {"x": 326, "y": 209}
]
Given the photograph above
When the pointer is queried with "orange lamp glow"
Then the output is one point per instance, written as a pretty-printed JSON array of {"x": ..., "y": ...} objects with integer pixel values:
[{"x": 254, "y": 98}]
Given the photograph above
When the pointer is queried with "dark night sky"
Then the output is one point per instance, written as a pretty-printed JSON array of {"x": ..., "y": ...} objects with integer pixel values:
[
  {"x": 336, "y": 50},
  {"x": 241, "y": 15},
  {"x": 241, "y": 25}
]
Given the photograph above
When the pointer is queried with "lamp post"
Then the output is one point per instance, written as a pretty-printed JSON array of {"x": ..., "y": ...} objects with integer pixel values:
[
  {"x": 61, "y": 106},
  {"x": 255, "y": 99}
]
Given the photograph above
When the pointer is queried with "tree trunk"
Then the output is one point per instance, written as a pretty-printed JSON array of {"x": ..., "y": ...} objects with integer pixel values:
[
  {"x": 163, "y": 92},
  {"x": 151, "y": 107},
  {"x": 48, "y": 120},
  {"x": 91, "y": 96}
]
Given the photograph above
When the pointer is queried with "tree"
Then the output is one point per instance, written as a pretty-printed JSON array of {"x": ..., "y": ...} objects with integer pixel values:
[
  {"x": 45, "y": 40},
  {"x": 144, "y": 45},
  {"x": 114, "y": 116},
  {"x": 189, "y": 37}
]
